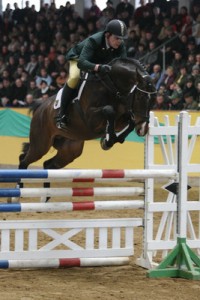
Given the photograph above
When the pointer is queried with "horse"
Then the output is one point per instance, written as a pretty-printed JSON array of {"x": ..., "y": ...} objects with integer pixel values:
[{"x": 108, "y": 107}]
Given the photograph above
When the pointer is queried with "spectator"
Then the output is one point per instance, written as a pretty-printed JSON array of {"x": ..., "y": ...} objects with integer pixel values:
[
  {"x": 60, "y": 64},
  {"x": 52, "y": 53},
  {"x": 40, "y": 32},
  {"x": 195, "y": 9},
  {"x": 151, "y": 58},
  {"x": 32, "y": 66},
  {"x": 131, "y": 43},
  {"x": 195, "y": 74},
  {"x": 44, "y": 89},
  {"x": 124, "y": 7},
  {"x": 6, "y": 92},
  {"x": 29, "y": 100},
  {"x": 18, "y": 72},
  {"x": 177, "y": 61},
  {"x": 198, "y": 94},
  {"x": 171, "y": 42},
  {"x": 61, "y": 78},
  {"x": 162, "y": 90},
  {"x": 175, "y": 90},
  {"x": 148, "y": 38},
  {"x": 22, "y": 63},
  {"x": 43, "y": 76},
  {"x": 163, "y": 32},
  {"x": 183, "y": 13},
  {"x": 16, "y": 14},
  {"x": 33, "y": 89},
  {"x": 157, "y": 26},
  {"x": 139, "y": 12},
  {"x": 5, "y": 53},
  {"x": 175, "y": 18},
  {"x": 191, "y": 47},
  {"x": 49, "y": 65},
  {"x": 161, "y": 103},
  {"x": 25, "y": 78},
  {"x": 6, "y": 75},
  {"x": 140, "y": 52},
  {"x": 11, "y": 64},
  {"x": 109, "y": 9},
  {"x": 2, "y": 66},
  {"x": 189, "y": 88},
  {"x": 181, "y": 77},
  {"x": 197, "y": 60},
  {"x": 175, "y": 102},
  {"x": 23, "y": 52},
  {"x": 43, "y": 49},
  {"x": 19, "y": 93},
  {"x": 182, "y": 45},
  {"x": 187, "y": 28},
  {"x": 190, "y": 62},
  {"x": 196, "y": 30},
  {"x": 190, "y": 102},
  {"x": 94, "y": 12},
  {"x": 168, "y": 77},
  {"x": 59, "y": 41},
  {"x": 156, "y": 75},
  {"x": 33, "y": 49}
]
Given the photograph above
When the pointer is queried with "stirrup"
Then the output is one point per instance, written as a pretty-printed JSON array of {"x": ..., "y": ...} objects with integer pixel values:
[{"x": 62, "y": 121}]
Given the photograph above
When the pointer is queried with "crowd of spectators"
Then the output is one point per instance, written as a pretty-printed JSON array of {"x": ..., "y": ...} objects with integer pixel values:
[{"x": 34, "y": 43}]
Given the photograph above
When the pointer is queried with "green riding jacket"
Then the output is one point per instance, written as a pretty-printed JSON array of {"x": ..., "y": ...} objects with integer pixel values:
[{"x": 93, "y": 51}]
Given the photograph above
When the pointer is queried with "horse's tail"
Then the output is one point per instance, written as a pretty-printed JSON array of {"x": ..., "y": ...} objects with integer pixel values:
[{"x": 25, "y": 148}]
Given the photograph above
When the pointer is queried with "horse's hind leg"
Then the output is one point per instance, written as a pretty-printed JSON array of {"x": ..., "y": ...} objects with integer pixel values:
[
  {"x": 66, "y": 153},
  {"x": 31, "y": 152}
]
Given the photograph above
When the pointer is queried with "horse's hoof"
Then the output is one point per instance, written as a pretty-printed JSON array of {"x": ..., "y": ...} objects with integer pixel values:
[
  {"x": 44, "y": 199},
  {"x": 121, "y": 141},
  {"x": 13, "y": 200},
  {"x": 104, "y": 144}
]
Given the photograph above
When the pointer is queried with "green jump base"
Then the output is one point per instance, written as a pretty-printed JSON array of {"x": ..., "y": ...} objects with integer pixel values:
[{"x": 181, "y": 262}]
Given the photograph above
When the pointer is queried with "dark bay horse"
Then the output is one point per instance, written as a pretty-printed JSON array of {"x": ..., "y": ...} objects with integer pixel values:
[{"x": 110, "y": 107}]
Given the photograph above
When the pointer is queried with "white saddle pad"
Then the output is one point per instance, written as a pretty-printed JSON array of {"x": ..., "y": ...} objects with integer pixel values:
[{"x": 58, "y": 99}]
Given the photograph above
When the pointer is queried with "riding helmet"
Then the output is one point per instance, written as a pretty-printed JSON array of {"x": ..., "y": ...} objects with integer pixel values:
[{"x": 118, "y": 28}]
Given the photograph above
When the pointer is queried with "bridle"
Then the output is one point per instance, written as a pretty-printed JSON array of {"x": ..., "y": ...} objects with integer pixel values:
[
  {"x": 135, "y": 87},
  {"x": 109, "y": 84},
  {"x": 146, "y": 92}
]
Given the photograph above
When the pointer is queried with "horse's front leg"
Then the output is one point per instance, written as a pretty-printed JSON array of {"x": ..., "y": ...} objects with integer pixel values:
[
  {"x": 110, "y": 137},
  {"x": 121, "y": 135}
]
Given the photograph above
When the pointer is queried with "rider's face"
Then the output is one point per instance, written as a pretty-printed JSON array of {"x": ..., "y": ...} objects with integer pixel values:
[{"x": 114, "y": 41}]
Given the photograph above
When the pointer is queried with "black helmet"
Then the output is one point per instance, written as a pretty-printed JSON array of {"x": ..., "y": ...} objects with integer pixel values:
[{"x": 117, "y": 28}]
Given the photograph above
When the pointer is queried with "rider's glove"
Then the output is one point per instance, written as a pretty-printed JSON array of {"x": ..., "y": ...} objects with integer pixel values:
[{"x": 104, "y": 69}]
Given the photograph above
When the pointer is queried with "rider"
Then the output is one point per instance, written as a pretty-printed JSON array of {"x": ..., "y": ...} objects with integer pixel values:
[{"x": 92, "y": 55}]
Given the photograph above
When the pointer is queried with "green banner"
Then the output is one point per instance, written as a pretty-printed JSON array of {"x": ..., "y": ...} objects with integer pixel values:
[{"x": 14, "y": 124}]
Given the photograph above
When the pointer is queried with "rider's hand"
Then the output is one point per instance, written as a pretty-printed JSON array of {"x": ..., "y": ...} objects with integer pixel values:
[{"x": 104, "y": 69}]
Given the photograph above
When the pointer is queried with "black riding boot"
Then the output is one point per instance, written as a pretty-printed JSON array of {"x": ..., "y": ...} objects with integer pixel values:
[{"x": 62, "y": 120}]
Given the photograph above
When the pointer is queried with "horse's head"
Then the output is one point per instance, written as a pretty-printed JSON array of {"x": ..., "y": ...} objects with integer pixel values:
[
  {"x": 137, "y": 88},
  {"x": 144, "y": 97}
]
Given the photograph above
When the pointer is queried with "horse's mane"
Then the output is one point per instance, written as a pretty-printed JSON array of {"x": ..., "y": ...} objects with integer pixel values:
[{"x": 138, "y": 64}]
